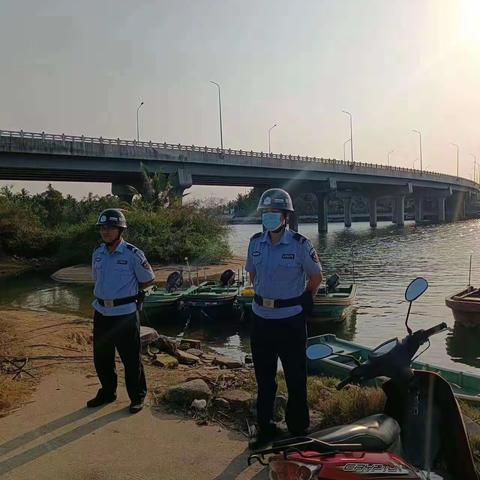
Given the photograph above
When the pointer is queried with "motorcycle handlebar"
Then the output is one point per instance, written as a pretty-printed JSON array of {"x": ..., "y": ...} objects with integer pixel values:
[{"x": 436, "y": 329}]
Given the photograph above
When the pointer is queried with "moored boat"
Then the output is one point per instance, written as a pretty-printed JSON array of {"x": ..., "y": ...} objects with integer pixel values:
[
  {"x": 465, "y": 306},
  {"x": 339, "y": 364}
]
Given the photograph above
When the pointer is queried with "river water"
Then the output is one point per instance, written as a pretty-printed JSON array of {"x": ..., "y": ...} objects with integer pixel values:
[{"x": 382, "y": 261}]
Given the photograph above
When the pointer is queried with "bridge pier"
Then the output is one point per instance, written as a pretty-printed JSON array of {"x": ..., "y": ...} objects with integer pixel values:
[
  {"x": 123, "y": 192},
  {"x": 347, "y": 211},
  {"x": 322, "y": 199},
  {"x": 419, "y": 209},
  {"x": 441, "y": 209},
  {"x": 399, "y": 210},
  {"x": 455, "y": 207},
  {"x": 372, "y": 208}
]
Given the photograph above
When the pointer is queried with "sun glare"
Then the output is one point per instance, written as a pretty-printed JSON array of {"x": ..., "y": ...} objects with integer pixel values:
[{"x": 469, "y": 21}]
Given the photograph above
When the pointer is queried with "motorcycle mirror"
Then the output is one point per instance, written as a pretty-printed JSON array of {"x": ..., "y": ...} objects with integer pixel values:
[
  {"x": 318, "y": 351},
  {"x": 416, "y": 288}
]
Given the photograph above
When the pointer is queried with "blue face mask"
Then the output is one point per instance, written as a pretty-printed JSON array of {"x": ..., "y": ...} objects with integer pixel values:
[{"x": 272, "y": 220}]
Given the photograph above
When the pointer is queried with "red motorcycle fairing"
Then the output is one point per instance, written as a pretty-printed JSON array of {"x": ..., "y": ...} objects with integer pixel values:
[{"x": 341, "y": 466}]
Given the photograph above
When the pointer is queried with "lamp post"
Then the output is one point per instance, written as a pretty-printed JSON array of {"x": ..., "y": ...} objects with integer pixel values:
[
  {"x": 388, "y": 157},
  {"x": 458, "y": 158},
  {"x": 420, "y": 147},
  {"x": 220, "y": 112},
  {"x": 269, "y": 143},
  {"x": 138, "y": 129},
  {"x": 344, "y": 144},
  {"x": 351, "y": 134}
]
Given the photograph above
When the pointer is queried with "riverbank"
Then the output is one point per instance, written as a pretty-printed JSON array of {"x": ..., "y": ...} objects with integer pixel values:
[
  {"x": 46, "y": 428},
  {"x": 10, "y": 267},
  {"x": 82, "y": 274}
]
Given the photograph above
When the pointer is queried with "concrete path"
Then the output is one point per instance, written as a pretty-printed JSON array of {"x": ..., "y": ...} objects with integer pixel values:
[{"x": 56, "y": 437}]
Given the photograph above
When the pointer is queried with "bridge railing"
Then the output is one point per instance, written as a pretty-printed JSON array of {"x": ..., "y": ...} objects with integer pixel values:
[{"x": 62, "y": 138}]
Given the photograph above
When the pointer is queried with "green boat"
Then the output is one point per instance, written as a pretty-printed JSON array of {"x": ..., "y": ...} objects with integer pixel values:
[
  {"x": 163, "y": 303},
  {"x": 340, "y": 363},
  {"x": 332, "y": 304},
  {"x": 244, "y": 301},
  {"x": 210, "y": 294}
]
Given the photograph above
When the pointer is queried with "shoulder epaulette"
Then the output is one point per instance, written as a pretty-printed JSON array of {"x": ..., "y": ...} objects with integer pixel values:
[
  {"x": 96, "y": 247},
  {"x": 259, "y": 234},
  {"x": 299, "y": 238},
  {"x": 131, "y": 247}
]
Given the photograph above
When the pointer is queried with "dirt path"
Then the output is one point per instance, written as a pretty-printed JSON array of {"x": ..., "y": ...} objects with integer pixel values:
[{"x": 53, "y": 435}]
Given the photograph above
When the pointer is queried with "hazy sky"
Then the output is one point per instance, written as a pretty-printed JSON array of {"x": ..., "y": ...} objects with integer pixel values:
[{"x": 397, "y": 65}]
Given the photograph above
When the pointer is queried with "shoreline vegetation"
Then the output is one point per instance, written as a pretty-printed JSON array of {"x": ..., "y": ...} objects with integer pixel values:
[{"x": 49, "y": 231}]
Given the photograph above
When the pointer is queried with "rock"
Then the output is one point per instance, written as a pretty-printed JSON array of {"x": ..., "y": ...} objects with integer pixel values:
[
  {"x": 186, "y": 358},
  {"x": 208, "y": 357},
  {"x": 227, "y": 362},
  {"x": 199, "y": 404},
  {"x": 195, "y": 351},
  {"x": 154, "y": 350},
  {"x": 165, "y": 360},
  {"x": 148, "y": 335},
  {"x": 185, "y": 393},
  {"x": 187, "y": 343},
  {"x": 166, "y": 344},
  {"x": 239, "y": 400},
  {"x": 248, "y": 359},
  {"x": 221, "y": 404}
]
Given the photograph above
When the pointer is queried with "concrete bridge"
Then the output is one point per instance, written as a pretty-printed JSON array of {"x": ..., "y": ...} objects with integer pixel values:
[{"x": 47, "y": 157}]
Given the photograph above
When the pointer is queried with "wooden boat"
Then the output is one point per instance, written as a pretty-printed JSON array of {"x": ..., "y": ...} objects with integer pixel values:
[
  {"x": 465, "y": 306},
  {"x": 339, "y": 364},
  {"x": 161, "y": 304},
  {"x": 332, "y": 304},
  {"x": 210, "y": 294}
]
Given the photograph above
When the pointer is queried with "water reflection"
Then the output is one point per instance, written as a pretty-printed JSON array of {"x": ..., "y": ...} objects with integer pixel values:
[{"x": 463, "y": 345}]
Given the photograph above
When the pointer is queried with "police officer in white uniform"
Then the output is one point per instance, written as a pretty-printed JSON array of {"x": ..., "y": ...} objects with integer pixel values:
[
  {"x": 285, "y": 272},
  {"x": 119, "y": 269}
]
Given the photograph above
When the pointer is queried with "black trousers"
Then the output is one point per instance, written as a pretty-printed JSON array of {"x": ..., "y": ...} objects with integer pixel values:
[
  {"x": 123, "y": 333},
  {"x": 286, "y": 339}
]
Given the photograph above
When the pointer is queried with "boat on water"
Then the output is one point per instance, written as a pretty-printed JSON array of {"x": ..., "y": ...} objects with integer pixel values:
[
  {"x": 342, "y": 361},
  {"x": 332, "y": 301},
  {"x": 465, "y": 306},
  {"x": 214, "y": 295},
  {"x": 162, "y": 303}
]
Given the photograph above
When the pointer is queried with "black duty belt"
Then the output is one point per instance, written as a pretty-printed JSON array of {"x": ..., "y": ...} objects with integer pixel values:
[
  {"x": 279, "y": 303},
  {"x": 117, "y": 301}
]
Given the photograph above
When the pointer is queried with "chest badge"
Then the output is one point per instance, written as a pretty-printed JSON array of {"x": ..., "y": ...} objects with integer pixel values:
[
  {"x": 122, "y": 262},
  {"x": 288, "y": 256}
]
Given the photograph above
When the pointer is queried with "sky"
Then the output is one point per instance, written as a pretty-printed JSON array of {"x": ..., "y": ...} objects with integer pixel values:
[{"x": 396, "y": 65}]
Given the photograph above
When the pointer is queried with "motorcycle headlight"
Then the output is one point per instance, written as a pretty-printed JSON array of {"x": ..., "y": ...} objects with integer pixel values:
[{"x": 289, "y": 470}]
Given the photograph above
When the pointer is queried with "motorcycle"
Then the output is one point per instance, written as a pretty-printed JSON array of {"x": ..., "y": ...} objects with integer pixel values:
[{"x": 420, "y": 434}]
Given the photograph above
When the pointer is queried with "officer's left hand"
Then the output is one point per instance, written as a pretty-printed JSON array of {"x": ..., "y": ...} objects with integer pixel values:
[{"x": 307, "y": 302}]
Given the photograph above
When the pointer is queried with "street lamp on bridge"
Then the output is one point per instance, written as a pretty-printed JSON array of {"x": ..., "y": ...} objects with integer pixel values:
[
  {"x": 269, "y": 143},
  {"x": 351, "y": 134},
  {"x": 344, "y": 145},
  {"x": 420, "y": 146},
  {"x": 138, "y": 130},
  {"x": 458, "y": 157},
  {"x": 388, "y": 157},
  {"x": 220, "y": 112}
]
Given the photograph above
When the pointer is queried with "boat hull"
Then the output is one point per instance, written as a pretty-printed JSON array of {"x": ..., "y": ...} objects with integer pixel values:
[
  {"x": 465, "y": 306},
  {"x": 339, "y": 366}
]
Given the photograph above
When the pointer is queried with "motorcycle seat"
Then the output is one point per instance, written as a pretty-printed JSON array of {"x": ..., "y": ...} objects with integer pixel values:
[{"x": 376, "y": 433}]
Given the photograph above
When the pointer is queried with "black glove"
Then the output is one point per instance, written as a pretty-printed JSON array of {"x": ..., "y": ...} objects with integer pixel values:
[{"x": 307, "y": 302}]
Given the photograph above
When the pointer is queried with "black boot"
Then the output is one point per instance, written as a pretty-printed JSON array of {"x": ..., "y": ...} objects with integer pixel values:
[
  {"x": 101, "y": 399},
  {"x": 265, "y": 435},
  {"x": 136, "y": 406}
]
